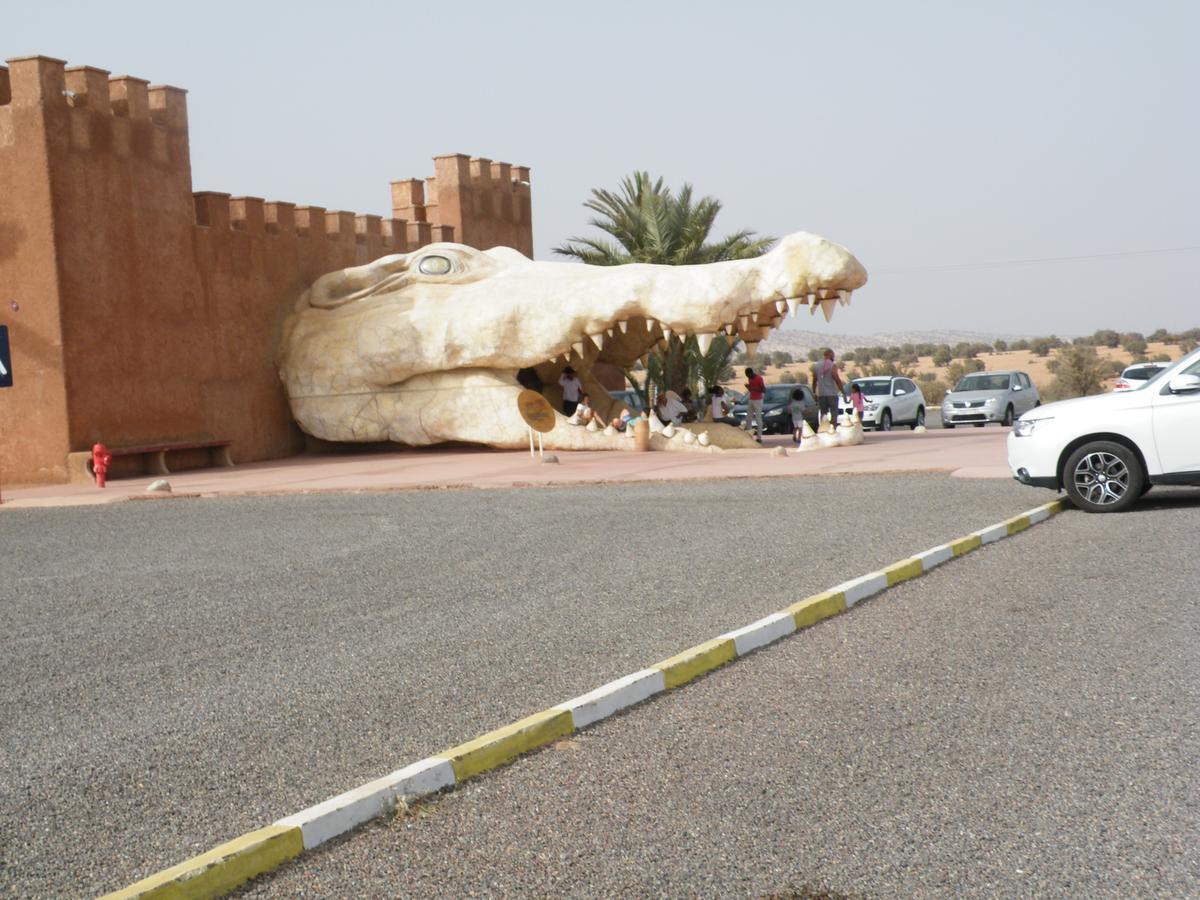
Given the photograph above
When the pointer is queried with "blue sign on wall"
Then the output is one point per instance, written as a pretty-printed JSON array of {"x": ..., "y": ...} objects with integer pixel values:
[{"x": 5, "y": 359}]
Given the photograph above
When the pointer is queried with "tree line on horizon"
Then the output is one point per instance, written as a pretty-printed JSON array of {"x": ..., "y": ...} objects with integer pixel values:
[{"x": 1078, "y": 369}]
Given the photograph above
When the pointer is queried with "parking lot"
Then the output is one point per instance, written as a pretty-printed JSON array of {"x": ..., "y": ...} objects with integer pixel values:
[
  {"x": 1021, "y": 722},
  {"x": 177, "y": 673}
]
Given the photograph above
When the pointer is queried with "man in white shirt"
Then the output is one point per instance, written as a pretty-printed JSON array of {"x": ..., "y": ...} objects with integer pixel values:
[{"x": 572, "y": 388}]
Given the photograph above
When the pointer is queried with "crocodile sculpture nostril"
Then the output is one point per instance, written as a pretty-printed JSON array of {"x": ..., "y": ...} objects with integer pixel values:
[{"x": 425, "y": 347}]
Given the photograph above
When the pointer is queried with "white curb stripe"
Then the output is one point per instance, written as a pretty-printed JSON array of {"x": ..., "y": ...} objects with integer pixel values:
[
  {"x": 993, "y": 534},
  {"x": 341, "y": 813},
  {"x": 614, "y": 696},
  {"x": 857, "y": 589},
  {"x": 760, "y": 633},
  {"x": 1041, "y": 514},
  {"x": 931, "y": 559}
]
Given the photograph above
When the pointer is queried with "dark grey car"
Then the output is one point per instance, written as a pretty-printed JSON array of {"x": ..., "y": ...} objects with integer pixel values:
[{"x": 777, "y": 416}]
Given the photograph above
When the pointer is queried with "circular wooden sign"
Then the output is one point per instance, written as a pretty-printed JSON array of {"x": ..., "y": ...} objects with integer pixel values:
[{"x": 536, "y": 411}]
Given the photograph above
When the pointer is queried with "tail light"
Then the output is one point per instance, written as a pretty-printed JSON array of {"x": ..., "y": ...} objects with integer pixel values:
[{"x": 1121, "y": 385}]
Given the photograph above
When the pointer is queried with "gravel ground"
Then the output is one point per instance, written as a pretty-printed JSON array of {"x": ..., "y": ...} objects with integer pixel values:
[
  {"x": 1022, "y": 722},
  {"x": 178, "y": 672}
]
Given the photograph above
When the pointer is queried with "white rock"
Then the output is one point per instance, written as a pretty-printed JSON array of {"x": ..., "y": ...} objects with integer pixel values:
[
  {"x": 592, "y": 425},
  {"x": 609, "y": 430},
  {"x": 669, "y": 431},
  {"x": 688, "y": 437},
  {"x": 159, "y": 486},
  {"x": 703, "y": 439}
]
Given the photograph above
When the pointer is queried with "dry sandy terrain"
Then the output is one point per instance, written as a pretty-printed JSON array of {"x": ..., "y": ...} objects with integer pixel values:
[{"x": 1021, "y": 360}]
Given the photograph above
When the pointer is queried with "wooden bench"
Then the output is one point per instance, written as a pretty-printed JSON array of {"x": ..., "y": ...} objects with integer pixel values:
[{"x": 80, "y": 464}]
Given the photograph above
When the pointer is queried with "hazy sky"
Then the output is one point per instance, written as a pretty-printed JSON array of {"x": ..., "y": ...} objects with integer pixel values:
[{"x": 923, "y": 136}]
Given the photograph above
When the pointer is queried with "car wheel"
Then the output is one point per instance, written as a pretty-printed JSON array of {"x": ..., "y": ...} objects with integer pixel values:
[
  {"x": 946, "y": 424},
  {"x": 920, "y": 419},
  {"x": 1103, "y": 476},
  {"x": 1008, "y": 417},
  {"x": 885, "y": 420}
]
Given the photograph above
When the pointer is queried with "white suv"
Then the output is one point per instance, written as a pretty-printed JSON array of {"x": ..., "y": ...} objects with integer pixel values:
[
  {"x": 887, "y": 400},
  {"x": 1108, "y": 450}
]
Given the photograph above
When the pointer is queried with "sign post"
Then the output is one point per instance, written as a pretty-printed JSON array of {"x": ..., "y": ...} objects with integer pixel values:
[
  {"x": 538, "y": 415},
  {"x": 6, "y": 370}
]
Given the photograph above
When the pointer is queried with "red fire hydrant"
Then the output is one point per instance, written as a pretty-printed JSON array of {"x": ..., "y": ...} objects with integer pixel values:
[{"x": 100, "y": 460}]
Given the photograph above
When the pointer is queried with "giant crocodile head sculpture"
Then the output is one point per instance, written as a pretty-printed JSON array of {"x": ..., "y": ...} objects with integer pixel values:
[{"x": 425, "y": 347}]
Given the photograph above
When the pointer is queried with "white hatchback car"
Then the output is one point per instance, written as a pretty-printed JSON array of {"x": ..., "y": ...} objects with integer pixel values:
[{"x": 1108, "y": 450}]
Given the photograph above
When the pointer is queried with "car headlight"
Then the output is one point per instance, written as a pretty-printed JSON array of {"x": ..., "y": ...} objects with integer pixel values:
[
  {"x": 871, "y": 406},
  {"x": 773, "y": 413},
  {"x": 1026, "y": 427},
  {"x": 990, "y": 401}
]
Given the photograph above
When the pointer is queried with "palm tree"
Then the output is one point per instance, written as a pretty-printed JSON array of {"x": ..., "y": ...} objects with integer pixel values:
[{"x": 647, "y": 223}]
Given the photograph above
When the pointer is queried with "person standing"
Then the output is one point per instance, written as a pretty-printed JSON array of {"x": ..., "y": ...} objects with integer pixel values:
[
  {"x": 796, "y": 411},
  {"x": 756, "y": 388},
  {"x": 827, "y": 385},
  {"x": 572, "y": 389}
]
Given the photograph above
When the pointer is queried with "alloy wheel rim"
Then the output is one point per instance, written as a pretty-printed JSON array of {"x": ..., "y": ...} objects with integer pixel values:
[{"x": 1102, "y": 478}]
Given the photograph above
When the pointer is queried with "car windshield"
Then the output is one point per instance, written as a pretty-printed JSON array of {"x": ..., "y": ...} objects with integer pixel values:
[
  {"x": 983, "y": 383},
  {"x": 1141, "y": 373},
  {"x": 779, "y": 394},
  {"x": 875, "y": 388}
]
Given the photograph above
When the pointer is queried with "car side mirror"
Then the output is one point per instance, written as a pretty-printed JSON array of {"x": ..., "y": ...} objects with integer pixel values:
[{"x": 1184, "y": 384}]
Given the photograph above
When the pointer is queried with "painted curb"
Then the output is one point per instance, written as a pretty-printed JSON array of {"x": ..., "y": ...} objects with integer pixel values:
[{"x": 224, "y": 868}]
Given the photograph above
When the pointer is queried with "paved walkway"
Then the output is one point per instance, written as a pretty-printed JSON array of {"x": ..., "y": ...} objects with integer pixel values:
[{"x": 974, "y": 453}]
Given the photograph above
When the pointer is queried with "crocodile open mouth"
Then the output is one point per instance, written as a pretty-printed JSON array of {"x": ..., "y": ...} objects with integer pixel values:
[{"x": 630, "y": 340}]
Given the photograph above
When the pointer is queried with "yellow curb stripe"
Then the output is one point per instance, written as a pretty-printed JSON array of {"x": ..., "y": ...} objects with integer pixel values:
[
  {"x": 814, "y": 609},
  {"x": 221, "y": 869},
  {"x": 903, "y": 571},
  {"x": 965, "y": 545},
  {"x": 504, "y": 744},
  {"x": 1019, "y": 523},
  {"x": 695, "y": 661}
]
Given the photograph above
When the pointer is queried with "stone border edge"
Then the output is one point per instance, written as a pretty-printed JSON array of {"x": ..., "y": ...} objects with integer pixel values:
[{"x": 231, "y": 864}]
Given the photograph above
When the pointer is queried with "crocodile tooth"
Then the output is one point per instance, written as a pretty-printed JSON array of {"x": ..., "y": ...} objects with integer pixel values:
[
  {"x": 624, "y": 326},
  {"x": 823, "y": 293},
  {"x": 704, "y": 341},
  {"x": 844, "y": 296},
  {"x": 649, "y": 324},
  {"x": 791, "y": 305},
  {"x": 827, "y": 307},
  {"x": 812, "y": 299},
  {"x": 578, "y": 348},
  {"x": 744, "y": 322},
  {"x": 598, "y": 339},
  {"x": 666, "y": 330},
  {"x": 780, "y": 305}
]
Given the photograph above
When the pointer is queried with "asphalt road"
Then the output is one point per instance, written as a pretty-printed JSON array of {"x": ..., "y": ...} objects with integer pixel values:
[
  {"x": 1021, "y": 722},
  {"x": 178, "y": 672}
]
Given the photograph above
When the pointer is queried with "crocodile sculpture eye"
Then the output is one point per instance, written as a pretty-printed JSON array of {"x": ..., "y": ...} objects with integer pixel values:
[{"x": 434, "y": 265}]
